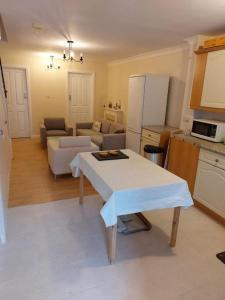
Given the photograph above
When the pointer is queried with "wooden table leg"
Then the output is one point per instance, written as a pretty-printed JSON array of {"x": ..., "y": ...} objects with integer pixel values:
[
  {"x": 81, "y": 187},
  {"x": 112, "y": 231},
  {"x": 176, "y": 216}
]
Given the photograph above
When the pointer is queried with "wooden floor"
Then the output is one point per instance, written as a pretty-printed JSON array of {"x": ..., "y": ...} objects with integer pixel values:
[{"x": 31, "y": 179}]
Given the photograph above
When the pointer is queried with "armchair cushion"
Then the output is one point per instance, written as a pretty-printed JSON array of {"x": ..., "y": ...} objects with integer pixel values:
[
  {"x": 54, "y": 123},
  {"x": 97, "y": 140},
  {"x": 116, "y": 128},
  {"x": 88, "y": 132},
  {"x": 56, "y": 132},
  {"x": 75, "y": 141}
]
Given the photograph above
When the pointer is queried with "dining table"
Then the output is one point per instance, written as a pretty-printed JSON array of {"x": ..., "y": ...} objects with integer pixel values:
[{"x": 131, "y": 185}]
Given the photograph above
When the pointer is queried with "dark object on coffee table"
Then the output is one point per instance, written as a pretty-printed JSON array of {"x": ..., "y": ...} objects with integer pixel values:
[
  {"x": 109, "y": 155},
  {"x": 221, "y": 256}
]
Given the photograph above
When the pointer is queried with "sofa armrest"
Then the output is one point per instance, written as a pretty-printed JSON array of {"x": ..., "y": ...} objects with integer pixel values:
[
  {"x": 84, "y": 125},
  {"x": 114, "y": 141},
  {"x": 43, "y": 136},
  {"x": 69, "y": 129}
]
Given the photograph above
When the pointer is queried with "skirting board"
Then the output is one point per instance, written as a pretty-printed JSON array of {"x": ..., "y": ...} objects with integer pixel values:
[{"x": 210, "y": 212}]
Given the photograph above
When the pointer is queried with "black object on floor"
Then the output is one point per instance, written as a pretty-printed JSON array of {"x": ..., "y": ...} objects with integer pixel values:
[
  {"x": 128, "y": 224},
  {"x": 221, "y": 256}
]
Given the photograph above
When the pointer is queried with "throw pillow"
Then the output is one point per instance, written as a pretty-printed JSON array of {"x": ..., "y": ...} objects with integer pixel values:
[
  {"x": 96, "y": 126},
  {"x": 105, "y": 126}
]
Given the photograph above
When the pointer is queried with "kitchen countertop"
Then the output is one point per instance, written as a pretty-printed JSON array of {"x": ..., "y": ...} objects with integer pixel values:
[
  {"x": 214, "y": 147},
  {"x": 159, "y": 129}
]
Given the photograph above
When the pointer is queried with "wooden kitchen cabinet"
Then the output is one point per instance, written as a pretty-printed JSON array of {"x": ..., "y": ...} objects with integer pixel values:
[
  {"x": 208, "y": 90},
  {"x": 183, "y": 160}
]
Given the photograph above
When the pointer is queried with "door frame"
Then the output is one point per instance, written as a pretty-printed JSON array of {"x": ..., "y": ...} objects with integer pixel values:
[
  {"x": 92, "y": 93},
  {"x": 27, "y": 74}
]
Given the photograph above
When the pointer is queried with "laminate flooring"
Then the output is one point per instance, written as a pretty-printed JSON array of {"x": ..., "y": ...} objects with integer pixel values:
[{"x": 31, "y": 179}]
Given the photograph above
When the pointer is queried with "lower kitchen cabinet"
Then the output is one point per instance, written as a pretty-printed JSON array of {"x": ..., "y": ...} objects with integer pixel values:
[
  {"x": 209, "y": 193},
  {"x": 183, "y": 160}
]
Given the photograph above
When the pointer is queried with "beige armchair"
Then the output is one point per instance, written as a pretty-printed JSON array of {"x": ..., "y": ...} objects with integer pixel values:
[
  {"x": 61, "y": 152},
  {"x": 54, "y": 127}
]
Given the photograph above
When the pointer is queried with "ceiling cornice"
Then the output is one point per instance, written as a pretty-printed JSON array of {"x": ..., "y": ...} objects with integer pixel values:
[{"x": 154, "y": 53}]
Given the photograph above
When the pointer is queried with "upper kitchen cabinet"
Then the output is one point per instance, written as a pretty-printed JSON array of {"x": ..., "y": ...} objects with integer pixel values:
[{"x": 208, "y": 92}]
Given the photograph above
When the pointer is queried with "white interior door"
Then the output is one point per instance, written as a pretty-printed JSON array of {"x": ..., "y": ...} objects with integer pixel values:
[
  {"x": 5, "y": 157},
  {"x": 18, "y": 109},
  {"x": 80, "y": 97}
]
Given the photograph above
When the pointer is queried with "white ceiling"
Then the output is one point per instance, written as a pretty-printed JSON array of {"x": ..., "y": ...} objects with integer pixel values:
[{"x": 109, "y": 28}]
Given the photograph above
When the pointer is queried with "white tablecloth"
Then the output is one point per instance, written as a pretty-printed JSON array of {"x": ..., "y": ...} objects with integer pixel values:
[{"x": 131, "y": 185}]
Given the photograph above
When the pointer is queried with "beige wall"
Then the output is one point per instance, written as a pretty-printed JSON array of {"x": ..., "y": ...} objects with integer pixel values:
[
  {"x": 172, "y": 63},
  {"x": 48, "y": 87}
]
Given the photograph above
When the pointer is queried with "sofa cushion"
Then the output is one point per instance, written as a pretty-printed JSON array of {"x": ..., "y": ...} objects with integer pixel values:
[
  {"x": 97, "y": 140},
  {"x": 88, "y": 132},
  {"x": 56, "y": 132},
  {"x": 105, "y": 126},
  {"x": 96, "y": 126},
  {"x": 75, "y": 141},
  {"x": 116, "y": 128},
  {"x": 54, "y": 123}
]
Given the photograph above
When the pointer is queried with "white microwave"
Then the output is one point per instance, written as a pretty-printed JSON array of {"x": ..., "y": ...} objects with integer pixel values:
[{"x": 213, "y": 131}]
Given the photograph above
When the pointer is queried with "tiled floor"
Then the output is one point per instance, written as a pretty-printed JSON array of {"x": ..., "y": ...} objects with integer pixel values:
[{"x": 56, "y": 251}]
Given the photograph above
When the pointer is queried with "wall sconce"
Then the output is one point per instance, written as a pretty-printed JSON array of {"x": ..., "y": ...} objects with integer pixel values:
[{"x": 52, "y": 66}]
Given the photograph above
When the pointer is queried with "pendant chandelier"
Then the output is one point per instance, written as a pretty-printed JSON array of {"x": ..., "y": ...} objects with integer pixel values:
[
  {"x": 69, "y": 54},
  {"x": 52, "y": 66}
]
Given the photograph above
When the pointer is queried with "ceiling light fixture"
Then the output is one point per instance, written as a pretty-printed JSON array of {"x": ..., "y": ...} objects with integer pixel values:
[
  {"x": 52, "y": 66},
  {"x": 69, "y": 54}
]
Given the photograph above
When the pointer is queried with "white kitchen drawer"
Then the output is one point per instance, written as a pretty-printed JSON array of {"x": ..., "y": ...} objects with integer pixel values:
[
  {"x": 212, "y": 158},
  {"x": 151, "y": 135}
]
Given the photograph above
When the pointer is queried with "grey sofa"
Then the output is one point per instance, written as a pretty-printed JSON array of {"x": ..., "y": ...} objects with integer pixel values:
[
  {"x": 112, "y": 136},
  {"x": 54, "y": 127}
]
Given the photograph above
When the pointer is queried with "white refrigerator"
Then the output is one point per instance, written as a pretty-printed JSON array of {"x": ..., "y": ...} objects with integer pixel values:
[{"x": 147, "y": 102}]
